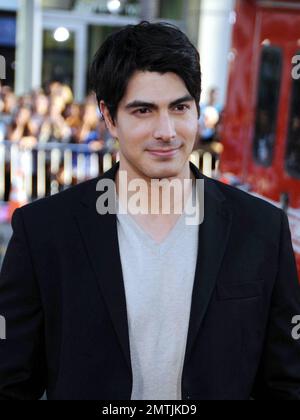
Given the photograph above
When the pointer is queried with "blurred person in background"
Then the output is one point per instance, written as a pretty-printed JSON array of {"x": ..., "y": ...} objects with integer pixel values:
[
  {"x": 210, "y": 117},
  {"x": 90, "y": 132},
  {"x": 8, "y": 107},
  {"x": 213, "y": 100},
  {"x": 20, "y": 126},
  {"x": 73, "y": 117},
  {"x": 210, "y": 120},
  {"x": 55, "y": 127}
]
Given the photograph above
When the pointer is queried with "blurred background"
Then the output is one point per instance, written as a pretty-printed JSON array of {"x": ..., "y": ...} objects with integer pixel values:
[{"x": 51, "y": 136}]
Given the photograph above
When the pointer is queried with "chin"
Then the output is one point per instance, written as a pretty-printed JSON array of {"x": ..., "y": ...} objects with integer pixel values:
[{"x": 161, "y": 173}]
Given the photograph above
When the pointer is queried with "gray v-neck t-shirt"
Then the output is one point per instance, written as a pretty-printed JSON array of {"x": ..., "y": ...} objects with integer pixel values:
[{"x": 158, "y": 280}]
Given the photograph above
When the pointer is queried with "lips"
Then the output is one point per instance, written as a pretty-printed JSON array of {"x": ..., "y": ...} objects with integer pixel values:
[{"x": 164, "y": 152}]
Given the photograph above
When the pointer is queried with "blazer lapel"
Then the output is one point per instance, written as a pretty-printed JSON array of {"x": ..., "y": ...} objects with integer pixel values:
[
  {"x": 100, "y": 238},
  {"x": 213, "y": 238}
]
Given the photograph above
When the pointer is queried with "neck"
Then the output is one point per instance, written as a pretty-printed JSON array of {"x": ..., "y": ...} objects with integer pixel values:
[{"x": 155, "y": 199}]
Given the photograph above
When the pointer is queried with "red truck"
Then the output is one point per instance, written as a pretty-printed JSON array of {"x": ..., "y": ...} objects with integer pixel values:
[{"x": 261, "y": 123}]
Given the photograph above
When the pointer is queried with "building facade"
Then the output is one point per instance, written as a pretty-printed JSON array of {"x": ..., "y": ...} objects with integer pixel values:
[{"x": 46, "y": 40}]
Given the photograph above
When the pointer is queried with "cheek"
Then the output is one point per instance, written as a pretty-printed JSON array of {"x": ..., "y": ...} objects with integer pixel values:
[
  {"x": 136, "y": 134},
  {"x": 188, "y": 129}
]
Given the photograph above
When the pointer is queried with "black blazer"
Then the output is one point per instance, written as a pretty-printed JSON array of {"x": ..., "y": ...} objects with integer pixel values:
[{"x": 63, "y": 297}]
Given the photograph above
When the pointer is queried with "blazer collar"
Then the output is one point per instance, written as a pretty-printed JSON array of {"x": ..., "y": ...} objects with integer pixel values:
[{"x": 100, "y": 237}]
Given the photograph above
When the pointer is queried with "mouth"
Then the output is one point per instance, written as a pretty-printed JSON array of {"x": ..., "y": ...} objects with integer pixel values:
[{"x": 164, "y": 152}]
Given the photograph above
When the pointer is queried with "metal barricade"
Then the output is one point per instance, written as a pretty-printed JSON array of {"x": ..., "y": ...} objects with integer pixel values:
[{"x": 46, "y": 169}]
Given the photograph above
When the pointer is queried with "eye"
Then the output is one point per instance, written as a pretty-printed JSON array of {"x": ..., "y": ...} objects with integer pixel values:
[
  {"x": 182, "y": 107},
  {"x": 142, "y": 111}
]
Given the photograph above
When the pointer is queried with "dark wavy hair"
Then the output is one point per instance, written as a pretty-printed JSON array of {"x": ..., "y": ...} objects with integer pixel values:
[{"x": 154, "y": 47}]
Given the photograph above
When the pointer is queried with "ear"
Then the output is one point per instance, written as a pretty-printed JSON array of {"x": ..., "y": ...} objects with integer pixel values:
[{"x": 108, "y": 120}]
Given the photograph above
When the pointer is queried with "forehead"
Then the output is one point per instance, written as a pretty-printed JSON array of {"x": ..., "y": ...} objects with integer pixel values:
[{"x": 154, "y": 87}]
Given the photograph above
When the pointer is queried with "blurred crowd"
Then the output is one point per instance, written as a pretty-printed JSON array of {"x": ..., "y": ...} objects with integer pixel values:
[{"x": 51, "y": 115}]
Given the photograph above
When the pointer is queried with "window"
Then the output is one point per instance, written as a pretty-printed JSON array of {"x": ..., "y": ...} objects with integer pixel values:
[
  {"x": 8, "y": 44},
  {"x": 124, "y": 7},
  {"x": 292, "y": 161},
  {"x": 58, "y": 59},
  {"x": 267, "y": 105},
  {"x": 172, "y": 9},
  {"x": 8, "y": 30}
]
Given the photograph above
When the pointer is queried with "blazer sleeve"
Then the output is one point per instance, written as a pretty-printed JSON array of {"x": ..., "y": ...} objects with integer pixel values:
[
  {"x": 278, "y": 376},
  {"x": 22, "y": 352}
]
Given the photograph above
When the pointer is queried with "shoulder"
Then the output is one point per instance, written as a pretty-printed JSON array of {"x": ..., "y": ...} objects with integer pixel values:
[
  {"x": 251, "y": 215},
  {"x": 61, "y": 203},
  {"x": 238, "y": 197}
]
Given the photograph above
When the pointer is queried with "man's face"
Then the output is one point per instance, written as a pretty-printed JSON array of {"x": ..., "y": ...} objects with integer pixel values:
[{"x": 156, "y": 114}]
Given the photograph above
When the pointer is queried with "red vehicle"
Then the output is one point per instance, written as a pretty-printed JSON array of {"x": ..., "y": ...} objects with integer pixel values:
[{"x": 261, "y": 125}]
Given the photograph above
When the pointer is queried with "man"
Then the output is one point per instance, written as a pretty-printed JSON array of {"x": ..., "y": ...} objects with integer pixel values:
[{"x": 142, "y": 305}]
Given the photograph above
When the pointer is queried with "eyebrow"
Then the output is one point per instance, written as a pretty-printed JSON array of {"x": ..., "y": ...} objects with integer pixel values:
[{"x": 143, "y": 104}]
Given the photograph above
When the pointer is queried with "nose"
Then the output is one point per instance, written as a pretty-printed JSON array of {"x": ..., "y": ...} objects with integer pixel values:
[{"x": 164, "y": 129}]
